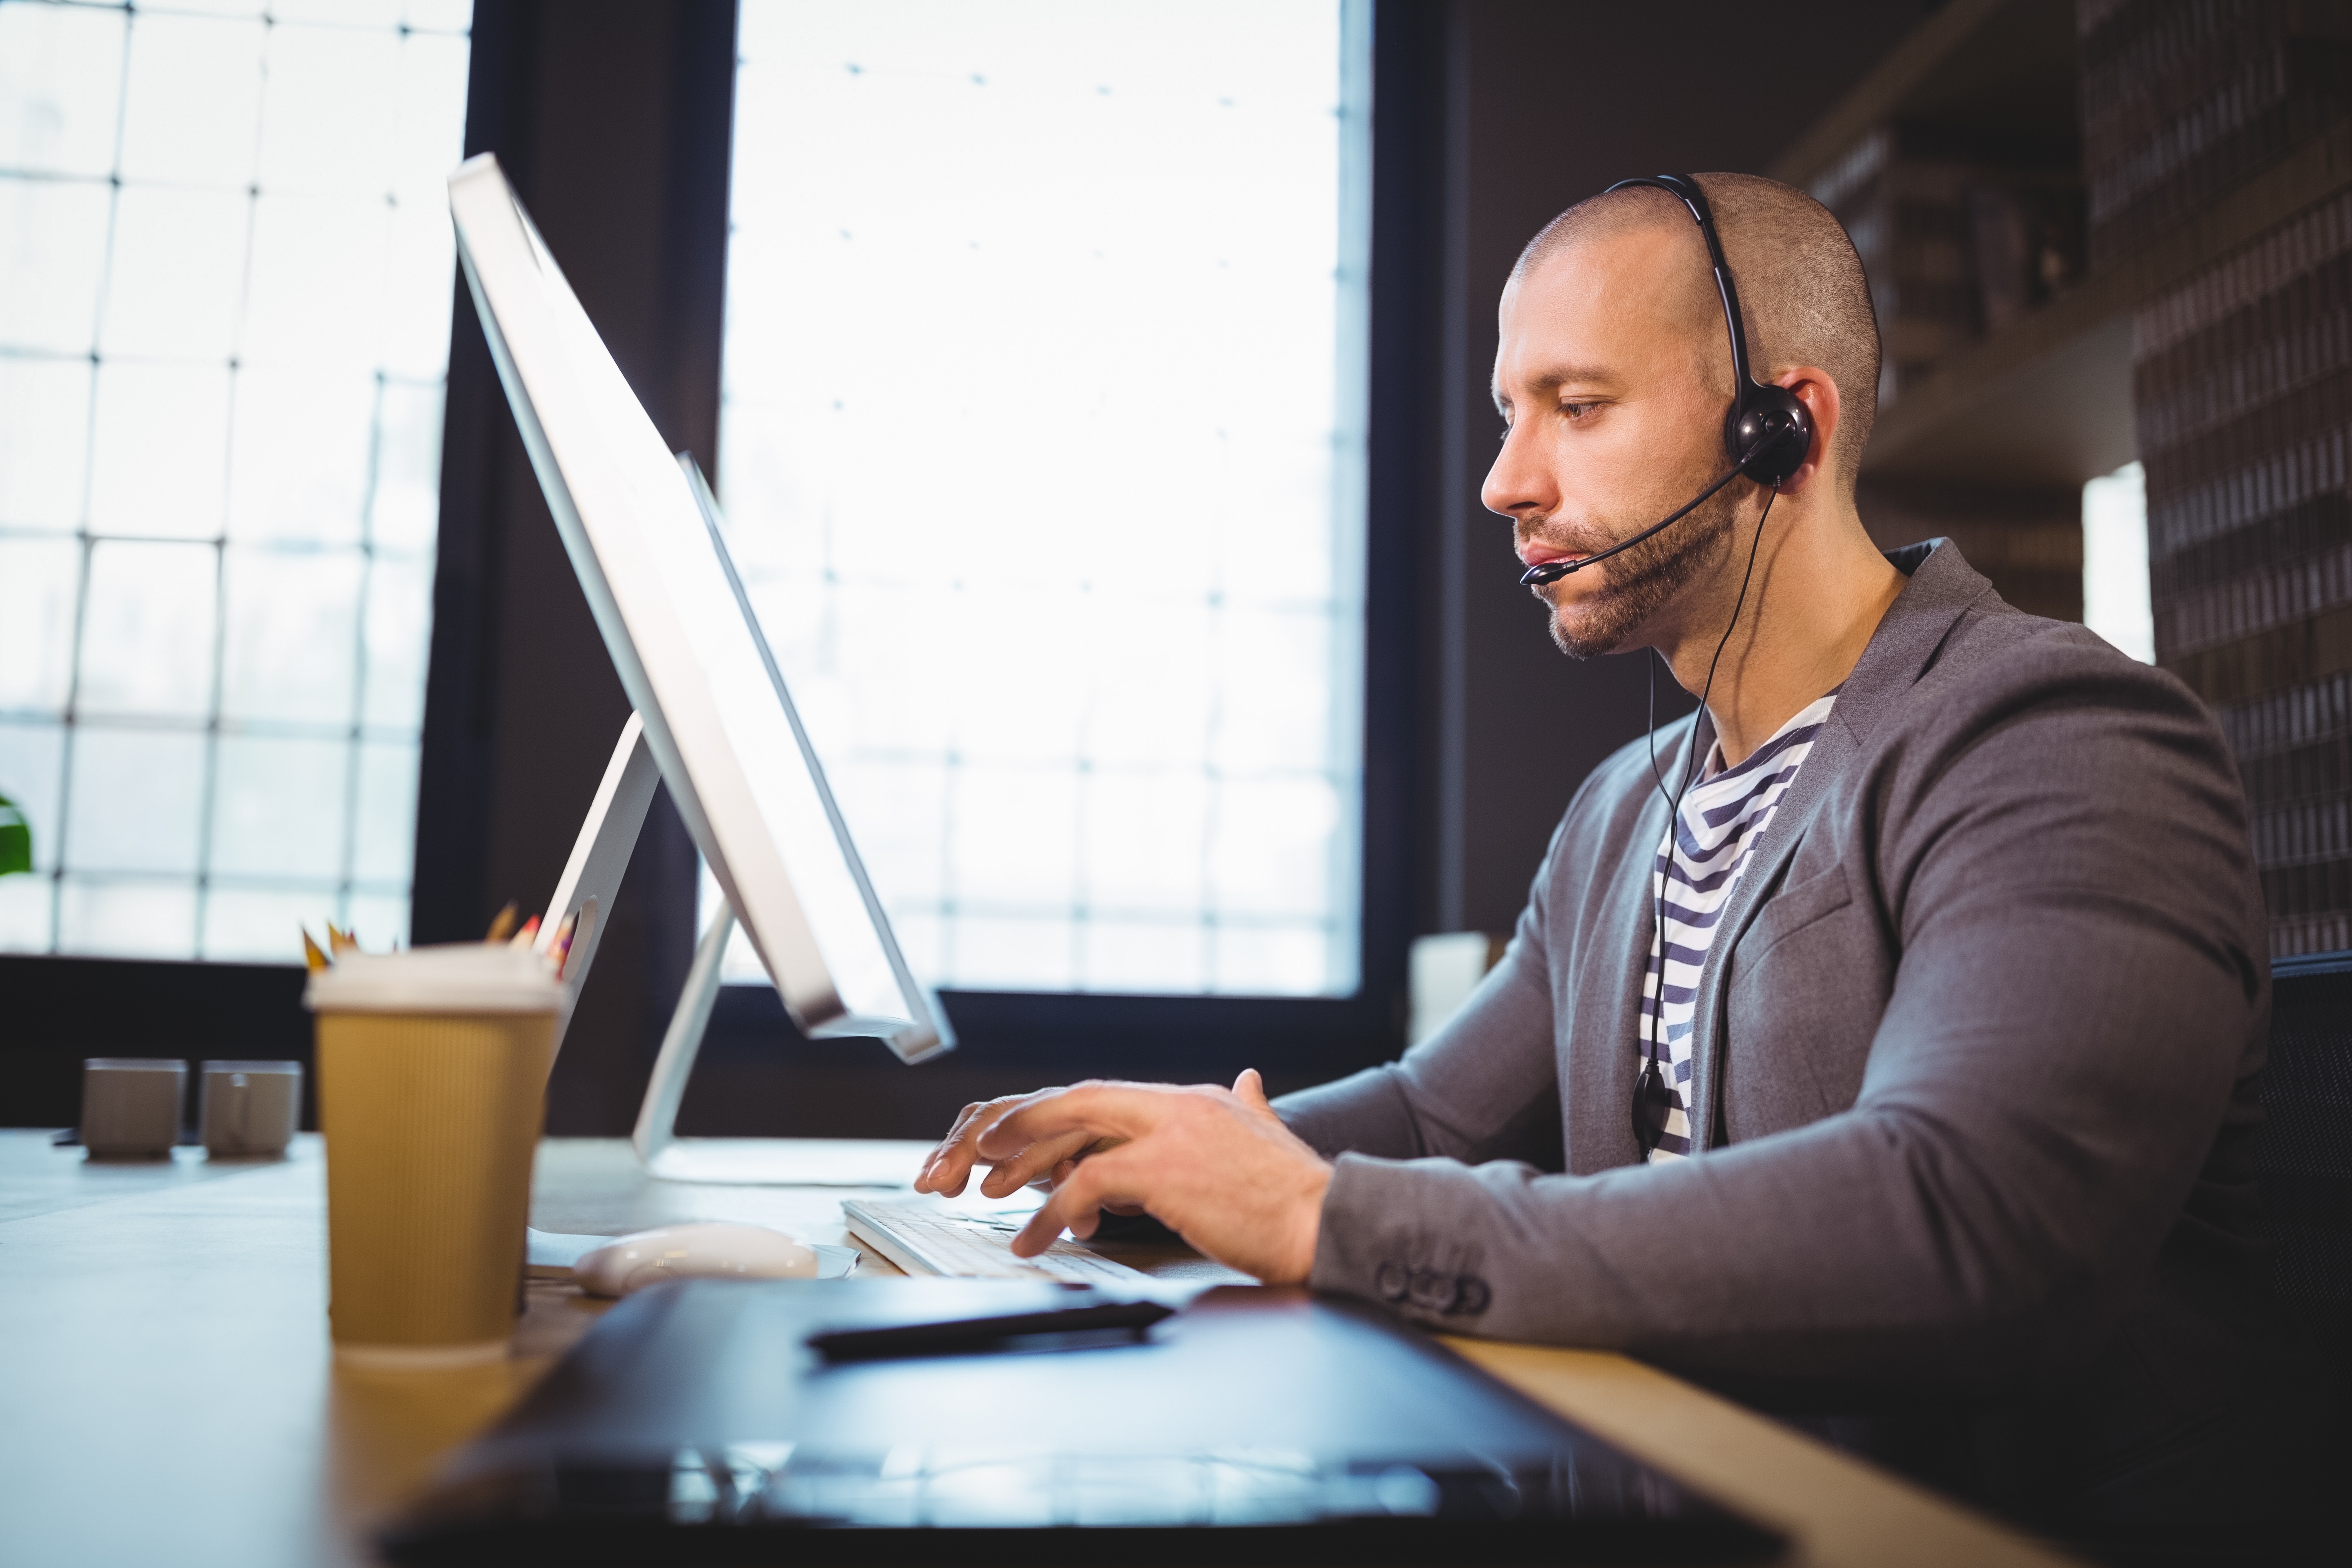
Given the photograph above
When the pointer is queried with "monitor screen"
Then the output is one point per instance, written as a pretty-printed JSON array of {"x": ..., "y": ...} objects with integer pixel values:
[{"x": 644, "y": 536}]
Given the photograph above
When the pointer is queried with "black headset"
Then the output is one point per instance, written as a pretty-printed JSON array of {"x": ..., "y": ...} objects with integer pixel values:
[{"x": 1768, "y": 432}]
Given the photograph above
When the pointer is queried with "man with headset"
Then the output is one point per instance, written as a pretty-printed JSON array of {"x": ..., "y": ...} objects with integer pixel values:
[{"x": 1915, "y": 1070}]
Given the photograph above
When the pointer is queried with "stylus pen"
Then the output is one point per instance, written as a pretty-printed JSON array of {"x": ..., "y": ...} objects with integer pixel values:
[{"x": 982, "y": 1333}]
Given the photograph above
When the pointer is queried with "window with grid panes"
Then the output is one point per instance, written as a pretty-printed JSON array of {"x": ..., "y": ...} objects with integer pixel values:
[
  {"x": 1042, "y": 452},
  {"x": 226, "y": 276}
]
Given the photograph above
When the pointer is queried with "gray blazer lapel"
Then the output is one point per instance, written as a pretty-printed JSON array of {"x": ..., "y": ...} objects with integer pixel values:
[
  {"x": 1603, "y": 1051},
  {"x": 1942, "y": 588},
  {"x": 1834, "y": 751}
]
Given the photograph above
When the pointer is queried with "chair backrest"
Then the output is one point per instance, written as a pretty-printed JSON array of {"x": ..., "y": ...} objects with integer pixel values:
[{"x": 2304, "y": 1154}]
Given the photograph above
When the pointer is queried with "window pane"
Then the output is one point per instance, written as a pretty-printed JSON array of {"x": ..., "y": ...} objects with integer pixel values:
[
  {"x": 127, "y": 917},
  {"x": 27, "y": 904},
  {"x": 194, "y": 107},
  {"x": 399, "y": 635},
  {"x": 159, "y": 457},
  {"x": 2114, "y": 561},
  {"x": 1138, "y": 955},
  {"x": 1272, "y": 845},
  {"x": 442, "y": 16},
  {"x": 1264, "y": 722},
  {"x": 329, "y": 110},
  {"x": 278, "y": 807},
  {"x": 44, "y": 442},
  {"x": 420, "y": 279},
  {"x": 1079, "y": 640},
  {"x": 383, "y": 830},
  {"x": 37, "y": 582},
  {"x": 32, "y": 762},
  {"x": 1282, "y": 960},
  {"x": 60, "y": 86},
  {"x": 178, "y": 273},
  {"x": 429, "y": 117},
  {"x": 1146, "y": 842},
  {"x": 52, "y": 258},
  {"x": 905, "y": 847},
  {"x": 134, "y": 800},
  {"x": 1015, "y": 952},
  {"x": 1158, "y": 658},
  {"x": 1009, "y": 832},
  {"x": 318, "y": 280},
  {"x": 378, "y": 919},
  {"x": 298, "y": 463},
  {"x": 263, "y": 925},
  {"x": 292, "y": 645},
  {"x": 147, "y": 630},
  {"x": 407, "y": 465}
]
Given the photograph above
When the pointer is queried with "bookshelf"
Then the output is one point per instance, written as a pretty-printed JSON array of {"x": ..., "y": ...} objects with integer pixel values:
[
  {"x": 2183, "y": 173},
  {"x": 2048, "y": 399},
  {"x": 1956, "y": 163}
]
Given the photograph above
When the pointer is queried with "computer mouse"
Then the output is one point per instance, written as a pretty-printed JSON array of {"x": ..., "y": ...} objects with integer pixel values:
[{"x": 692, "y": 1252}]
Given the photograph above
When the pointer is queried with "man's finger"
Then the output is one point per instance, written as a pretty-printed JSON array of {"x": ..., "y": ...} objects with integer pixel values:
[
  {"x": 949, "y": 1165},
  {"x": 1097, "y": 1110},
  {"x": 1012, "y": 1174},
  {"x": 1250, "y": 1089},
  {"x": 1074, "y": 1206}
]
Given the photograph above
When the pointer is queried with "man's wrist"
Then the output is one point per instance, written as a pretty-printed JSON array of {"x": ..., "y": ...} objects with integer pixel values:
[{"x": 1306, "y": 1229}]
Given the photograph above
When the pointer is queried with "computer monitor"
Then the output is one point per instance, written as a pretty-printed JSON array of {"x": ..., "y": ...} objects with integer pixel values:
[{"x": 691, "y": 656}]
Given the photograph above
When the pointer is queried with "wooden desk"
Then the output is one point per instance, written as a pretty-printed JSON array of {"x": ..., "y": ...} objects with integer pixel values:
[{"x": 167, "y": 1391}]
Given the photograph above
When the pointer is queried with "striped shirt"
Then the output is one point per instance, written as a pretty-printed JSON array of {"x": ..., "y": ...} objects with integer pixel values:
[{"x": 1722, "y": 817}]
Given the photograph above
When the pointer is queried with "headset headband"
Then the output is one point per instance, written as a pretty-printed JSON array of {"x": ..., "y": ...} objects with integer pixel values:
[{"x": 1685, "y": 189}]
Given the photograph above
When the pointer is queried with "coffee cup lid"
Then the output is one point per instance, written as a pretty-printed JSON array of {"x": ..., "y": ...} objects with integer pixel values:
[{"x": 461, "y": 977}]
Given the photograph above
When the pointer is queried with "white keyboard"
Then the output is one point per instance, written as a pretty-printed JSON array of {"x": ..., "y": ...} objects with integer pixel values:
[{"x": 923, "y": 1235}]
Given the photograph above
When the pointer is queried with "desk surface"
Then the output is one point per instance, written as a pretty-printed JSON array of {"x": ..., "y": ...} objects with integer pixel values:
[{"x": 167, "y": 1391}]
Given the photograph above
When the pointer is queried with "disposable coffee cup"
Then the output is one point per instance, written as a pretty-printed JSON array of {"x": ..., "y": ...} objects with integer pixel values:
[
  {"x": 433, "y": 1070},
  {"x": 249, "y": 1110},
  {"x": 130, "y": 1107}
]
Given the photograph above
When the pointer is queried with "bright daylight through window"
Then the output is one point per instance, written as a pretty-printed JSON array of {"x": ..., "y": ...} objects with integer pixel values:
[
  {"x": 225, "y": 274},
  {"x": 2114, "y": 561},
  {"x": 1042, "y": 450}
]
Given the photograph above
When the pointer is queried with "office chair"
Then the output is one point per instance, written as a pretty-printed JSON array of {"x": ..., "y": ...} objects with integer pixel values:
[{"x": 2304, "y": 1157}]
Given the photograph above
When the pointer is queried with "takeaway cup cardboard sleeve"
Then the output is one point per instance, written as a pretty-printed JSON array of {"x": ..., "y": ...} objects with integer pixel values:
[{"x": 433, "y": 1070}]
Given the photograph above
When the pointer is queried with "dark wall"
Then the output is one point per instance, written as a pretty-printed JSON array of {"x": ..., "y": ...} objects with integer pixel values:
[
  {"x": 613, "y": 119},
  {"x": 1542, "y": 104}
]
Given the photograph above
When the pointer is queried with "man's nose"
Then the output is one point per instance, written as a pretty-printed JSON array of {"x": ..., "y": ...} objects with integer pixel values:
[{"x": 1520, "y": 484}]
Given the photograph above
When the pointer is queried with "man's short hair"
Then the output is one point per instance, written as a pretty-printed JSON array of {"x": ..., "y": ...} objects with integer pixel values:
[{"x": 1801, "y": 286}]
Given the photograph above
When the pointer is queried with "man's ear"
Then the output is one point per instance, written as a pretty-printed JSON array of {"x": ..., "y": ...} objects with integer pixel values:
[{"x": 1819, "y": 393}]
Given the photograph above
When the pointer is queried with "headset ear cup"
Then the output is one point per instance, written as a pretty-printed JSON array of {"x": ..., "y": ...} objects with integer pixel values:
[{"x": 1772, "y": 433}]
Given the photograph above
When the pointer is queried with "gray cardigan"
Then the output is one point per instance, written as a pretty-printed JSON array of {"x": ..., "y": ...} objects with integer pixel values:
[{"x": 1977, "y": 1047}]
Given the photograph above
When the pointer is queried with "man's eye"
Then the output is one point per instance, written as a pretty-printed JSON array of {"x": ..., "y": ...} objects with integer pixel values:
[{"x": 1578, "y": 410}]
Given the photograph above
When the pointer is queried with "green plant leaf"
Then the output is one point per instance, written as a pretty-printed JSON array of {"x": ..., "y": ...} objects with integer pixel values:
[{"x": 15, "y": 838}]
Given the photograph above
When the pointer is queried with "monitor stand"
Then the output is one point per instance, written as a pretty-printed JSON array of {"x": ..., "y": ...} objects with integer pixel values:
[{"x": 591, "y": 880}]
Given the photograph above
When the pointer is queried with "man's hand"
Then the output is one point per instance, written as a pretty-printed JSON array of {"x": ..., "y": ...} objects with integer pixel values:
[{"x": 1215, "y": 1165}]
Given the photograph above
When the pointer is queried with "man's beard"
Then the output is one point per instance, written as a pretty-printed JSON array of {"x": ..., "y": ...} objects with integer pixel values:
[{"x": 1639, "y": 582}]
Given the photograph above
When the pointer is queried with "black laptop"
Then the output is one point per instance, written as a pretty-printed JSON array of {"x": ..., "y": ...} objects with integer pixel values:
[{"x": 695, "y": 1423}]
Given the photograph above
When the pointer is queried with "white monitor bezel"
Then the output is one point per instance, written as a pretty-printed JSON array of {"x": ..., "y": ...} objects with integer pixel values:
[{"x": 512, "y": 278}]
